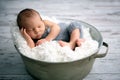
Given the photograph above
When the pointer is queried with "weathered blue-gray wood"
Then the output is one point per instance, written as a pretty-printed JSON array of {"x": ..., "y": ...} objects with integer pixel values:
[{"x": 103, "y": 14}]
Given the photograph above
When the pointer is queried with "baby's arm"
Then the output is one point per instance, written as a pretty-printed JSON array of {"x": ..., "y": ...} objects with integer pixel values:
[
  {"x": 30, "y": 42},
  {"x": 54, "y": 30}
]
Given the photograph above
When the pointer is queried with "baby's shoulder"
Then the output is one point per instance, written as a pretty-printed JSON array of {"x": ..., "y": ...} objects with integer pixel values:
[{"x": 48, "y": 23}]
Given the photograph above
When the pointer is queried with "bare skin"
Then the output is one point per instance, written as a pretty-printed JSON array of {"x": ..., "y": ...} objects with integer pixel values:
[{"x": 74, "y": 40}]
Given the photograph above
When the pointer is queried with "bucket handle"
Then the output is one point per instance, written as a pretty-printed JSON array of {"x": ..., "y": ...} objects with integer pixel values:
[{"x": 103, "y": 54}]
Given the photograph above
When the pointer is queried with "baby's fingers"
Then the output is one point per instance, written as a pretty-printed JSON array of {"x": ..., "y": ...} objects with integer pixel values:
[
  {"x": 24, "y": 31},
  {"x": 38, "y": 42},
  {"x": 21, "y": 30}
]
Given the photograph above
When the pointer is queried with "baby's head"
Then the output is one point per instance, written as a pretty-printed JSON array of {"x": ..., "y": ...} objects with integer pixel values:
[
  {"x": 30, "y": 20},
  {"x": 26, "y": 14}
]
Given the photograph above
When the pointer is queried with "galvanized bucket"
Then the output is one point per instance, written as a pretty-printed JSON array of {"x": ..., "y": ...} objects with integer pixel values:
[{"x": 74, "y": 70}]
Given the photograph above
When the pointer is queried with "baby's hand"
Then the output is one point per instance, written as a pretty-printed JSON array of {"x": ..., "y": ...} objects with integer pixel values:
[
  {"x": 40, "y": 41},
  {"x": 27, "y": 38},
  {"x": 24, "y": 34}
]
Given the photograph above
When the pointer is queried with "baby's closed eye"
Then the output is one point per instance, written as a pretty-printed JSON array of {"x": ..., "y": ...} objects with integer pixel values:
[{"x": 29, "y": 29}]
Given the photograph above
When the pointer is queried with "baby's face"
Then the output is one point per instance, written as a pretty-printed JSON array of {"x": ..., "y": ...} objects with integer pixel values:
[{"x": 34, "y": 27}]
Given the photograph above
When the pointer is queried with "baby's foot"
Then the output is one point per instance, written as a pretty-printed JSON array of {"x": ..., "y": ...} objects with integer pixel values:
[
  {"x": 79, "y": 41},
  {"x": 63, "y": 44}
]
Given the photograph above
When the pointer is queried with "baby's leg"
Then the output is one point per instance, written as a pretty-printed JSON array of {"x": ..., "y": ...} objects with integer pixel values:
[
  {"x": 73, "y": 38},
  {"x": 75, "y": 32},
  {"x": 79, "y": 33}
]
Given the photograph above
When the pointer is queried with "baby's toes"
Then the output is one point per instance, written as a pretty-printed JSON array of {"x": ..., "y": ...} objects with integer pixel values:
[
  {"x": 61, "y": 43},
  {"x": 79, "y": 41}
]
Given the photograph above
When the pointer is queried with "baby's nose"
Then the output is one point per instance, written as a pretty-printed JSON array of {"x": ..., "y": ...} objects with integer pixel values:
[{"x": 36, "y": 30}]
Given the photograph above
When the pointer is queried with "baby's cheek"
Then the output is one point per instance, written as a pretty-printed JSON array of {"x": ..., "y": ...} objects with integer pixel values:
[{"x": 31, "y": 35}]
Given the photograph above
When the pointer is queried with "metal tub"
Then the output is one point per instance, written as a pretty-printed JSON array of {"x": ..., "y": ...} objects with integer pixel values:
[{"x": 74, "y": 70}]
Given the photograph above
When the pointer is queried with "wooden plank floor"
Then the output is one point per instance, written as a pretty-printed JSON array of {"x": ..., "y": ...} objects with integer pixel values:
[{"x": 103, "y": 14}]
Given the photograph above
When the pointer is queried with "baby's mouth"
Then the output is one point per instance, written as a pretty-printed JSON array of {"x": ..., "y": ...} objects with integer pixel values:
[{"x": 38, "y": 36}]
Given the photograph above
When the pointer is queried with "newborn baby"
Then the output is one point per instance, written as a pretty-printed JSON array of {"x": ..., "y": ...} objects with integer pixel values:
[{"x": 36, "y": 31}]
